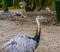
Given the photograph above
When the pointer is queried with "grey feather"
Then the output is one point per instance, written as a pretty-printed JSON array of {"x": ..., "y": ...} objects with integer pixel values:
[{"x": 24, "y": 43}]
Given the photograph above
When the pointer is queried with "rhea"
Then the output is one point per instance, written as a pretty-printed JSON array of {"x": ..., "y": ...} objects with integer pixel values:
[
  {"x": 19, "y": 14},
  {"x": 22, "y": 43},
  {"x": 47, "y": 9}
]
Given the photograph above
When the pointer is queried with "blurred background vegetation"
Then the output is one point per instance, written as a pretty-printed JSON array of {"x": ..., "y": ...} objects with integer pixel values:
[{"x": 31, "y": 4}]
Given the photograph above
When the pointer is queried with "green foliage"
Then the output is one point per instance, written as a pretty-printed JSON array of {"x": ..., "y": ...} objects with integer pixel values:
[
  {"x": 10, "y": 3},
  {"x": 57, "y": 5},
  {"x": 40, "y": 4},
  {"x": 0, "y": 3},
  {"x": 16, "y": 3},
  {"x": 31, "y": 4},
  {"x": 5, "y": 4}
]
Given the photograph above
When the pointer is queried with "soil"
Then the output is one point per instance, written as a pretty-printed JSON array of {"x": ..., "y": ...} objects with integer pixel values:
[{"x": 50, "y": 34}]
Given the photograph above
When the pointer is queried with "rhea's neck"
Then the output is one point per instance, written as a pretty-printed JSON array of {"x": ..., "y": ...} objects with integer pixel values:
[
  {"x": 38, "y": 27},
  {"x": 38, "y": 32}
]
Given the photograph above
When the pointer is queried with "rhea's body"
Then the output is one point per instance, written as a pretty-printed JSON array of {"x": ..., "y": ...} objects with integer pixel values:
[
  {"x": 24, "y": 43},
  {"x": 21, "y": 44}
]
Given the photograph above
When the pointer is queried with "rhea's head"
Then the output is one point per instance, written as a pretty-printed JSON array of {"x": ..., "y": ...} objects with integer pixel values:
[
  {"x": 47, "y": 9},
  {"x": 39, "y": 18}
]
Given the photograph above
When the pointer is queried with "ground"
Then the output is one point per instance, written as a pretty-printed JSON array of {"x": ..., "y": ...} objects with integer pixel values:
[{"x": 50, "y": 34}]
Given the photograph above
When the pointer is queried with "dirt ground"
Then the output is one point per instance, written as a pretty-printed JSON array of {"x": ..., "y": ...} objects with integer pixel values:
[{"x": 50, "y": 34}]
